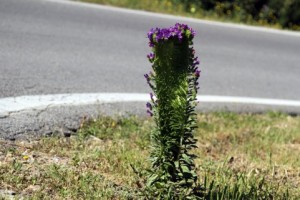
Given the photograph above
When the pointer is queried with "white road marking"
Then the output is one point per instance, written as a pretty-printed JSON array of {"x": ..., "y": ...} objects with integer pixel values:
[
  {"x": 16, "y": 104},
  {"x": 179, "y": 18}
]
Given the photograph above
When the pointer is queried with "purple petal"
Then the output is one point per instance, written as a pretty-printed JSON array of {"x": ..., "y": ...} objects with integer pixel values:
[
  {"x": 150, "y": 113},
  {"x": 149, "y": 105}
]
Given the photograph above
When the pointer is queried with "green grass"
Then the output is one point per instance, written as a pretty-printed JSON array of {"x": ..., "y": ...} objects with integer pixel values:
[
  {"x": 248, "y": 155},
  {"x": 167, "y": 7}
]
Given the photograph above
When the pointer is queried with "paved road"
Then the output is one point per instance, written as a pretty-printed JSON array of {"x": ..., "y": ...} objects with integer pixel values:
[{"x": 51, "y": 48}]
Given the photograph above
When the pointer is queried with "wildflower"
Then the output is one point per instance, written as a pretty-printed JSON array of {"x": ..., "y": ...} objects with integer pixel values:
[
  {"x": 179, "y": 32},
  {"x": 151, "y": 57},
  {"x": 172, "y": 102},
  {"x": 197, "y": 73},
  {"x": 149, "y": 105},
  {"x": 147, "y": 77},
  {"x": 196, "y": 63},
  {"x": 150, "y": 33},
  {"x": 25, "y": 157},
  {"x": 150, "y": 113},
  {"x": 151, "y": 44}
]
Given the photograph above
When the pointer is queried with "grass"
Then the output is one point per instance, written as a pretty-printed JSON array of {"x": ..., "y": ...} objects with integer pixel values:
[
  {"x": 167, "y": 7},
  {"x": 248, "y": 155}
]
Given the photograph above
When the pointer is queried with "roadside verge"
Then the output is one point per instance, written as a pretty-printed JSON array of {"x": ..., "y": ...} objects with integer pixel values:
[{"x": 46, "y": 115}]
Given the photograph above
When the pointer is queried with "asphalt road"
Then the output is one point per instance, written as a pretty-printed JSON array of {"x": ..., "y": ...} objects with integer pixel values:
[{"x": 52, "y": 48}]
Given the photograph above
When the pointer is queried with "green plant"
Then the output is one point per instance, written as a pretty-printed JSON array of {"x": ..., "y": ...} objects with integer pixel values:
[
  {"x": 290, "y": 14},
  {"x": 174, "y": 83},
  {"x": 270, "y": 13}
]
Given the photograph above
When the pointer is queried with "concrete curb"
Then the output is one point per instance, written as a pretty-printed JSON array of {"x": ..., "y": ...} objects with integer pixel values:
[{"x": 49, "y": 115}]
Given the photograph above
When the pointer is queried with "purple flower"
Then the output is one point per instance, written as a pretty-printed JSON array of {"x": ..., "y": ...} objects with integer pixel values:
[
  {"x": 197, "y": 73},
  {"x": 196, "y": 63},
  {"x": 149, "y": 105},
  {"x": 151, "y": 57},
  {"x": 150, "y": 33},
  {"x": 147, "y": 77},
  {"x": 193, "y": 51},
  {"x": 193, "y": 32},
  {"x": 150, "y": 113},
  {"x": 158, "y": 36},
  {"x": 151, "y": 44},
  {"x": 179, "y": 32}
]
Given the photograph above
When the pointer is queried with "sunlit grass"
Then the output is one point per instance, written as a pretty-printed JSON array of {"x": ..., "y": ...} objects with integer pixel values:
[{"x": 240, "y": 152}]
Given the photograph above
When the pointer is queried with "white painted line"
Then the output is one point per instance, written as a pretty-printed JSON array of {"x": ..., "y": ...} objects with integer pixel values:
[
  {"x": 15, "y": 104},
  {"x": 179, "y": 18},
  {"x": 247, "y": 100}
]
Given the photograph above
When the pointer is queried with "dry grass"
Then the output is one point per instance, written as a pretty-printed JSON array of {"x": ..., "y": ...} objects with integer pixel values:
[{"x": 243, "y": 151}]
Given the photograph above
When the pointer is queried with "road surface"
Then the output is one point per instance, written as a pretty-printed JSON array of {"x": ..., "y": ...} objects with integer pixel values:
[
  {"x": 51, "y": 48},
  {"x": 56, "y": 47}
]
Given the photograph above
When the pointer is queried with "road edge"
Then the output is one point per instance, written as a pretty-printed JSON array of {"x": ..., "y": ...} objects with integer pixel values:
[{"x": 180, "y": 18}]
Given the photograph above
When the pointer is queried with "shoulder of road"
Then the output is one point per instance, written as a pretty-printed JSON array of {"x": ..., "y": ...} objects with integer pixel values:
[{"x": 46, "y": 115}]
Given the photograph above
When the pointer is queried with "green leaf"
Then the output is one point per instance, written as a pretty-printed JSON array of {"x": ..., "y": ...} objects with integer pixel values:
[
  {"x": 186, "y": 158},
  {"x": 185, "y": 169},
  {"x": 151, "y": 180}
]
